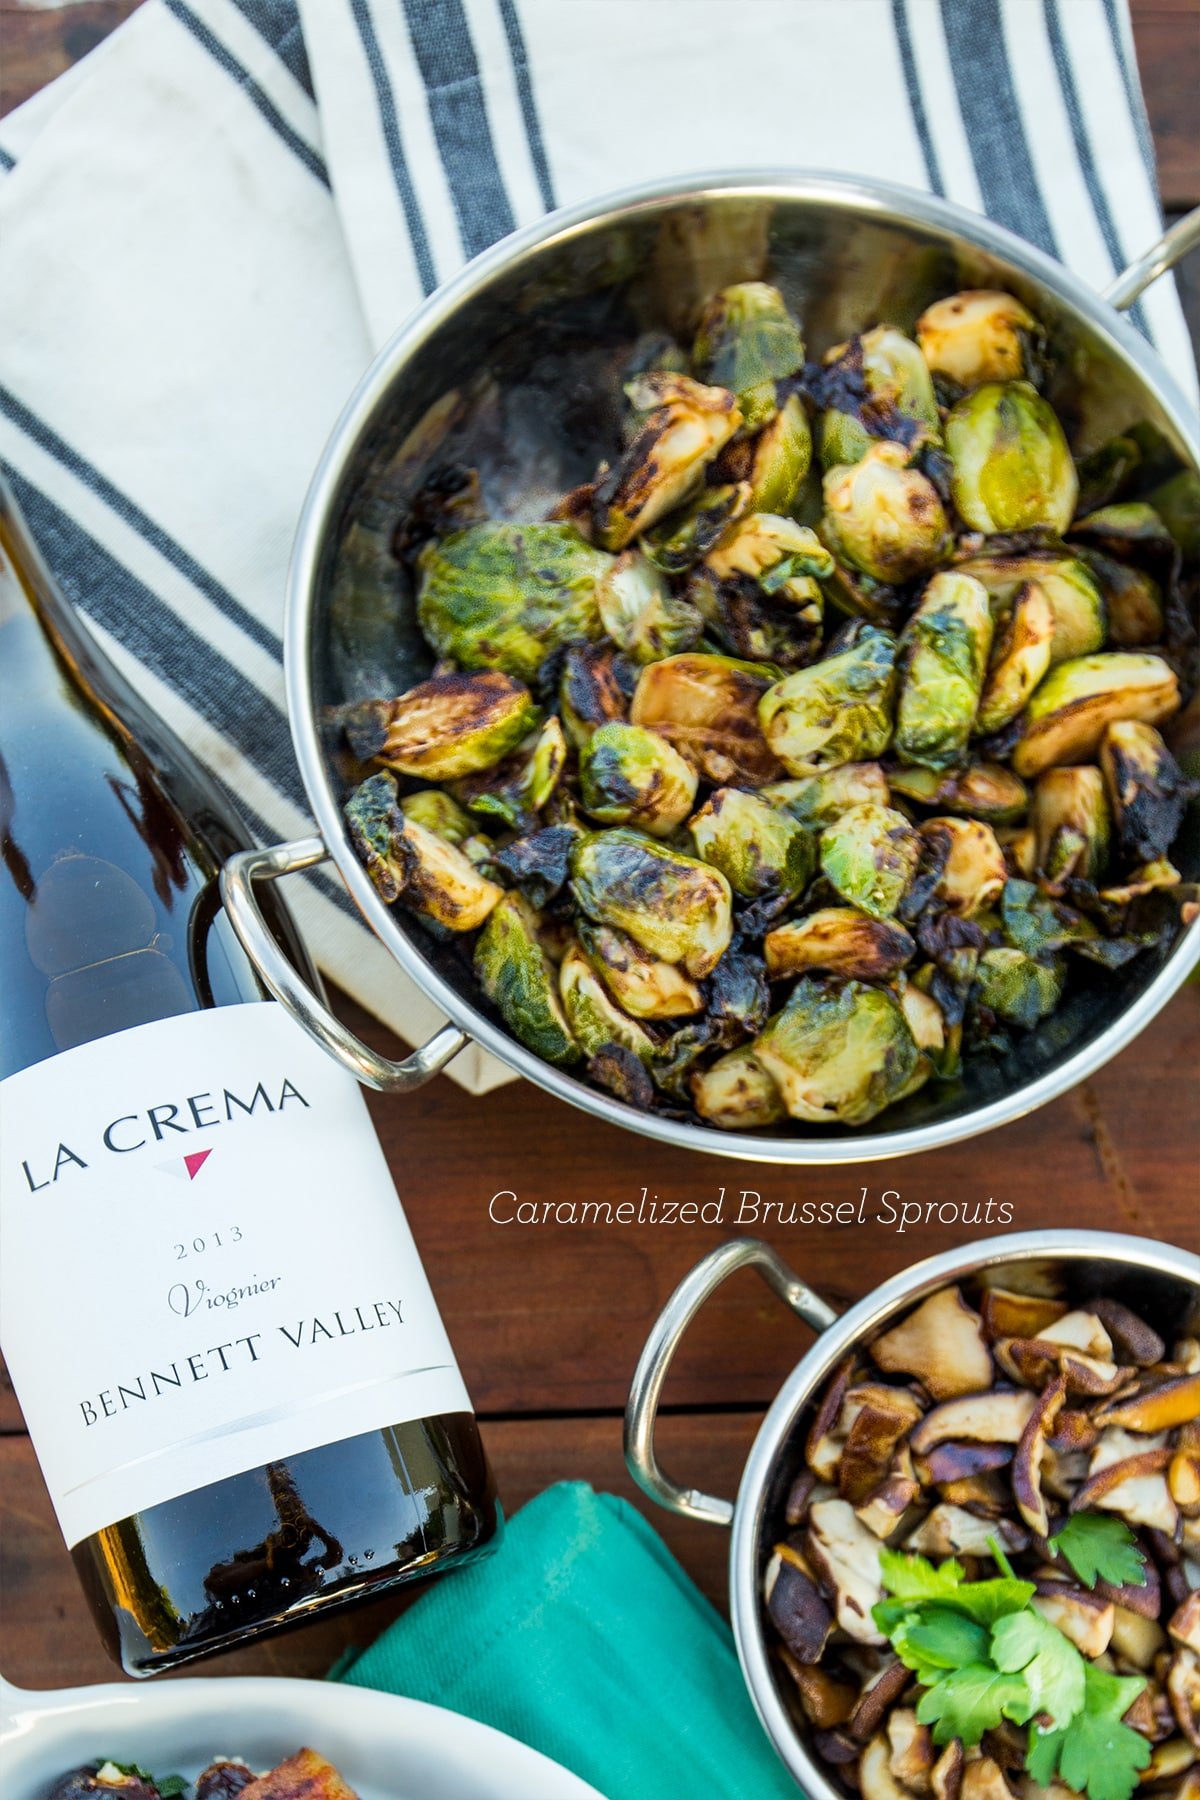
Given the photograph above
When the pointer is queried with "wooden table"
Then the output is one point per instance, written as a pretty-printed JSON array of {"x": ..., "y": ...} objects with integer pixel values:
[{"x": 548, "y": 1322}]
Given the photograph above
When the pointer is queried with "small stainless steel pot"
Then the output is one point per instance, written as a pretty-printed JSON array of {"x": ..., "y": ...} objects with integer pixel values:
[
  {"x": 1156, "y": 1280},
  {"x": 511, "y": 367}
]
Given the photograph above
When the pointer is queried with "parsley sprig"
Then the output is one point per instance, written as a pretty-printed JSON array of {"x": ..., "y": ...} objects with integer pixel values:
[
  {"x": 984, "y": 1655},
  {"x": 1100, "y": 1547}
]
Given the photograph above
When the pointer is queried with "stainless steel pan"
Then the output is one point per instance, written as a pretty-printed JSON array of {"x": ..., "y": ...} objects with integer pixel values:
[{"x": 508, "y": 367}]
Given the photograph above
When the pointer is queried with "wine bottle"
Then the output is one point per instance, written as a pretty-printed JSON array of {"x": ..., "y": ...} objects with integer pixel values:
[{"x": 232, "y": 1368}]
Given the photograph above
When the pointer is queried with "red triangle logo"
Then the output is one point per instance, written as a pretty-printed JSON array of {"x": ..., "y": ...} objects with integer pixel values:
[{"x": 194, "y": 1162}]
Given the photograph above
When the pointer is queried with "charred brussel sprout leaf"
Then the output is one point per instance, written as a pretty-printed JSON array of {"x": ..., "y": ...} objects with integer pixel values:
[
  {"x": 1018, "y": 988},
  {"x": 454, "y": 725},
  {"x": 405, "y": 861},
  {"x": 686, "y": 424},
  {"x": 876, "y": 386},
  {"x": 440, "y": 813},
  {"x": 685, "y": 536},
  {"x": 982, "y": 335},
  {"x": 747, "y": 341},
  {"x": 759, "y": 589},
  {"x": 737, "y": 991},
  {"x": 1069, "y": 713},
  {"x": 685, "y": 1048},
  {"x": 883, "y": 517},
  {"x": 1012, "y": 469},
  {"x": 837, "y": 710},
  {"x": 594, "y": 1017},
  {"x": 1073, "y": 823},
  {"x": 517, "y": 789},
  {"x": 539, "y": 864},
  {"x": 1076, "y": 602},
  {"x": 708, "y": 708},
  {"x": 616, "y": 1068},
  {"x": 737, "y": 1094},
  {"x": 1039, "y": 924},
  {"x": 522, "y": 983},
  {"x": 758, "y": 848},
  {"x": 673, "y": 906},
  {"x": 1021, "y": 655},
  {"x": 629, "y": 775},
  {"x": 982, "y": 790},
  {"x": 816, "y": 799},
  {"x": 640, "y": 613},
  {"x": 839, "y": 1052},
  {"x": 869, "y": 855},
  {"x": 590, "y": 691},
  {"x": 944, "y": 656},
  {"x": 774, "y": 463},
  {"x": 1177, "y": 503},
  {"x": 1148, "y": 790},
  {"x": 840, "y": 940},
  {"x": 859, "y": 596},
  {"x": 1104, "y": 473},
  {"x": 502, "y": 596},
  {"x": 642, "y": 985}
]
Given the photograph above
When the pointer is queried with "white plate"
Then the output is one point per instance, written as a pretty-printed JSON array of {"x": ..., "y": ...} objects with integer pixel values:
[{"x": 386, "y": 1747}]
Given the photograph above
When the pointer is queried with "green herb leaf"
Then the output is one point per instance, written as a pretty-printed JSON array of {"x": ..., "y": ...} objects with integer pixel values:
[
  {"x": 1095, "y": 1754},
  {"x": 1053, "y": 1668},
  {"x": 934, "y": 1639},
  {"x": 914, "y": 1579},
  {"x": 972, "y": 1700},
  {"x": 1100, "y": 1547},
  {"x": 169, "y": 1786}
]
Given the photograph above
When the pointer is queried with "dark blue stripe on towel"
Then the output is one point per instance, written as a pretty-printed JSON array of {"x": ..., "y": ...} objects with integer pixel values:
[
  {"x": 529, "y": 112},
  {"x": 386, "y": 101},
  {"x": 441, "y": 40}
]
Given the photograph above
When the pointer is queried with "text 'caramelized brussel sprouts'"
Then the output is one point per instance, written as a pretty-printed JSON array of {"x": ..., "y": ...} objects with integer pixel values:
[{"x": 757, "y": 790}]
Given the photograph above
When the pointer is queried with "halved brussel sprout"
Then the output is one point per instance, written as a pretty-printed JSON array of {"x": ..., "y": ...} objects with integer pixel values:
[
  {"x": 453, "y": 725},
  {"x": 736, "y": 1094},
  {"x": 1076, "y": 601},
  {"x": 839, "y": 1052},
  {"x": 1133, "y": 600},
  {"x": 440, "y": 813},
  {"x": 877, "y": 385},
  {"x": 640, "y": 613},
  {"x": 685, "y": 425},
  {"x": 1069, "y": 713},
  {"x": 981, "y": 335},
  {"x": 593, "y": 1016},
  {"x": 408, "y": 862},
  {"x": 643, "y": 986},
  {"x": 1148, "y": 790},
  {"x": 1011, "y": 465},
  {"x": 973, "y": 870},
  {"x": 837, "y": 710},
  {"x": 690, "y": 533},
  {"x": 708, "y": 707},
  {"x": 589, "y": 692},
  {"x": 1021, "y": 654},
  {"x": 517, "y": 788},
  {"x": 629, "y": 775},
  {"x": 840, "y": 940},
  {"x": 943, "y": 658},
  {"x": 883, "y": 517},
  {"x": 1073, "y": 823},
  {"x": 1018, "y": 988},
  {"x": 746, "y": 341},
  {"x": 758, "y": 589},
  {"x": 983, "y": 790},
  {"x": 870, "y": 854},
  {"x": 675, "y": 907},
  {"x": 522, "y": 983},
  {"x": 816, "y": 799},
  {"x": 776, "y": 460},
  {"x": 758, "y": 848}
]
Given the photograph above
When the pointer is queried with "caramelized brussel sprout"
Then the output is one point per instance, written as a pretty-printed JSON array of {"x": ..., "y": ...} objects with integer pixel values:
[
  {"x": 1012, "y": 469},
  {"x": 736, "y": 1093},
  {"x": 841, "y": 940},
  {"x": 454, "y": 724},
  {"x": 1069, "y": 713},
  {"x": 759, "y": 849},
  {"x": 816, "y": 799},
  {"x": 642, "y": 985},
  {"x": 1073, "y": 824},
  {"x": 1020, "y": 657},
  {"x": 522, "y": 983},
  {"x": 708, "y": 707},
  {"x": 409, "y": 863},
  {"x": 516, "y": 789},
  {"x": 673, "y": 906},
  {"x": 985, "y": 791},
  {"x": 640, "y": 613},
  {"x": 883, "y": 517},
  {"x": 839, "y": 1052},
  {"x": 440, "y": 813},
  {"x": 837, "y": 710},
  {"x": 981, "y": 335},
  {"x": 685, "y": 426},
  {"x": 973, "y": 869},
  {"x": 759, "y": 588},
  {"x": 1177, "y": 503},
  {"x": 687, "y": 535},
  {"x": 870, "y": 854},
  {"x": 1076, "y": 602},
  {"x": 1018, "y": 988},
  {"x": 594, "y": 1018},
  {"x": 776, "y": 460},
  {"x": 747, "y": 341},
  {"x": 880, "y": 387},
  {"x": 1133, "y": 600},
  {"x": 631, "y": 776},
  {"x": 944, "y": 654},
  {"x": 502, "y": 596},
  {"x": 589, "y": 693},
  {"x": 1148, "y": 790}
]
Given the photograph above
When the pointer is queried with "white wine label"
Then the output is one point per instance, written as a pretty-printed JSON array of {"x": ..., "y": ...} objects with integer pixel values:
[{"x": 204, "y": 1266}]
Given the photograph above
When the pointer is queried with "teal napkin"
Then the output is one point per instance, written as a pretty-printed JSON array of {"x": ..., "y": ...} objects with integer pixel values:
[{"x": 583, "y": 1637}]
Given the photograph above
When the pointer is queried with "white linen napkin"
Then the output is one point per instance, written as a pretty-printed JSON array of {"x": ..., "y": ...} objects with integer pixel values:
[{"x": 198, "y": 258}]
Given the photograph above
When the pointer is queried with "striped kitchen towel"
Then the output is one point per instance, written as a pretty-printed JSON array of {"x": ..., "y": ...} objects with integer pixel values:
[{"x": 208, "y": 226}]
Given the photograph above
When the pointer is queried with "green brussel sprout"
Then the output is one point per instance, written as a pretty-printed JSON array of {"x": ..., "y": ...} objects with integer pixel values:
[
  {"x": 1133, "y": 600},
  {"x": 516, "y": 789},
  {"x": 737, "y": 1094},
  {"x": 1020, "y": 657},
  {"x": 883, "y": 517},
  {"x": 758, "y": 848},
  {"x": 1148, "y": 790},
  {"x": 944, "y": 655},
  {"x": 870, "y": 854},
  {"x": 973, "y": 869},
  {"x": 1012, "y": 468},
  {"x": 1019, "y": 844},
  {"x": 1071, "y": 710},
  {"x": 589, "y": 692},
  {"x": 981, "y": 335},
  {"x": 687, "y": 535},
  {"x": 1105, "y": 471},
  {"x": 1072, "y": 822},
  {"x": 642, "y": 985},
  {"x": 840, "y": 940},
  {"x": 816, "y": 799},
  {"x": 839, "y": 1052},
  {"x": 502, "y": 596},
  {"x": 438, "y": 812},
  {"x": 759, "y": 588},
  {"x": 409, "y": 863},
  {"x": 708, "y": 707},
  {"x": 594, "y": 1018},
  {"x": 522, "y": 983},
  {"x": 686, "y": 425},
  {"x": 888, "y": 394},
  {"x": 747, "y": 341},
  {"x": 983, "y": 790},
  {"x": 1177, "y": 503},
  {"x": 837, "y": 710},
  {"x": 453, "y": 725},
  {"x": 1076, "y": 602},
  {"x": 673, "y": 906},
  {"x": 629, "y": 775},
  {"x": 640, "y": 613},
  {"x": 1019, "y": 989},
  {"x": 775, "y": 461}
]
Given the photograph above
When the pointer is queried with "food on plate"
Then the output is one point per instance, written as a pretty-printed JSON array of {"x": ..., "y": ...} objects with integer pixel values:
[
  {"x": 985, "y": 1583},
  {"x": 815, "y": 749},
  {"x": 302, "y": 1776}
]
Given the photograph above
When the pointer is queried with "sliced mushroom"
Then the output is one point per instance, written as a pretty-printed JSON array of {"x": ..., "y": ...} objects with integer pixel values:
[
  {"x": 1132, "y": 1338},
  {"x": 1184, "y": 1624},
  {"x": 912, "y": 1756},
  {"x": 988, "y": 1494},
  {"x": 799, "y": 1495},
  {"x": 997, "y": 1417},
  {"x": 1073, "y": 1431},
  {"x": 952, "y": 1531},
  {"x": 875, "y": 1778},
  {"x": 1187, "y": 1354},
  {"x": 953, "y": 1461},
  {"x": 1127, "y": 1476},
  {"x": 946, "y": 1776},
  {"x": 795, "y": 1605},
  {"x": 984, "y": 1780},
  {"x": 1144, "y": 1598},
  {"x": 1138, "y": 1639},
  {"x": 885, "y": 1511},
  {"x": 825, "y": 1702},
  {"x": 884, "y": 1416},
  {"x": 1083, "y": 1617},
  {"x": 1081, "y": 1331},
  {"x": 822, "y": 1451},
  {"x": 1007, "y": 1314},
  {"x": 878, "y": 1697},
  {"x": 845, "y": 1556},
  {"x": 1183, "y": 1481},
  {"x": 1062, "y": 1472},
  {"x": 1173, "y": 1757},
  {"x": 1157, "y": 1408},
  {"x": 1031, "y": 1449},
  {"x": 942, "y": 1344},
  {"x": 1183, "y": 1691}
]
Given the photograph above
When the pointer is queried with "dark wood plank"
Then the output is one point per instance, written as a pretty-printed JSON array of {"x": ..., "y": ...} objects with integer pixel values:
[
  {"x": 37, "y": 43},
  {"x": 1167, "y": 36}
]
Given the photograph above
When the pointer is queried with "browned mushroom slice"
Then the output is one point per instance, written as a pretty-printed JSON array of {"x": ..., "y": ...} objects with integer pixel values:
[
  {"x": 879, "y": 1695},
  {"x": 1186, "y": 1354},
  {"x": 1127, "y": 1476},
  {"x": 825, "y": 1701},
  {"x": 946, "y": 1776},
  {"x": 984, "y": 1780},
  {"x": 821, "y": 1451},
  {"x": 836, "y": 1748},
  {"x": 988, "y": 1494},
  {"x": 1168, "y": 1760},
  {"x": 845, "y": 1556},
  {"x": 1145, "y": 1598},
  {"x": 942, "y": 1344},
  {"x": 1132, "y": 1337},
  {"x": 1031, "y": 1449},
  {"x": 1184, "y": 1624},
  {"x": 958, "y": 1462},
  {"x": 997, "y": 1417},
  {"x": 883, "y": 1417},
  {"x": 1006, "y": 1314},
  {"x": 1073, "y": 1431},
  {"x": 912, "y": 1755},
  {"x": 952, "y": 1531},
  {"x": 798, "y": 1498},
  {"x": 1157, "y": 1408},
  {"x": 883, "y": 1511},
  {"x": 1183, "y": 1691},
  {"x": 1183, "y": 1480},
  {"x": 1064, "y": 1471},
  {"x": 875, "y": 1778},
  {"x": 795, "y": 1605},
  {"x": 1079, "y": 1330},
  {"x": 1138, "y": 1639},
  {"x": 1083, "y": 1617}
]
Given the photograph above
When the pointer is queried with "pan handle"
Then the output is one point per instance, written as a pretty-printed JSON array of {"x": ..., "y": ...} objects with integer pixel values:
[
  {"x": 646, "y": 1389},
  {"x": 292, "y": 991},
  {"x": 1183, "y": 236}
]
